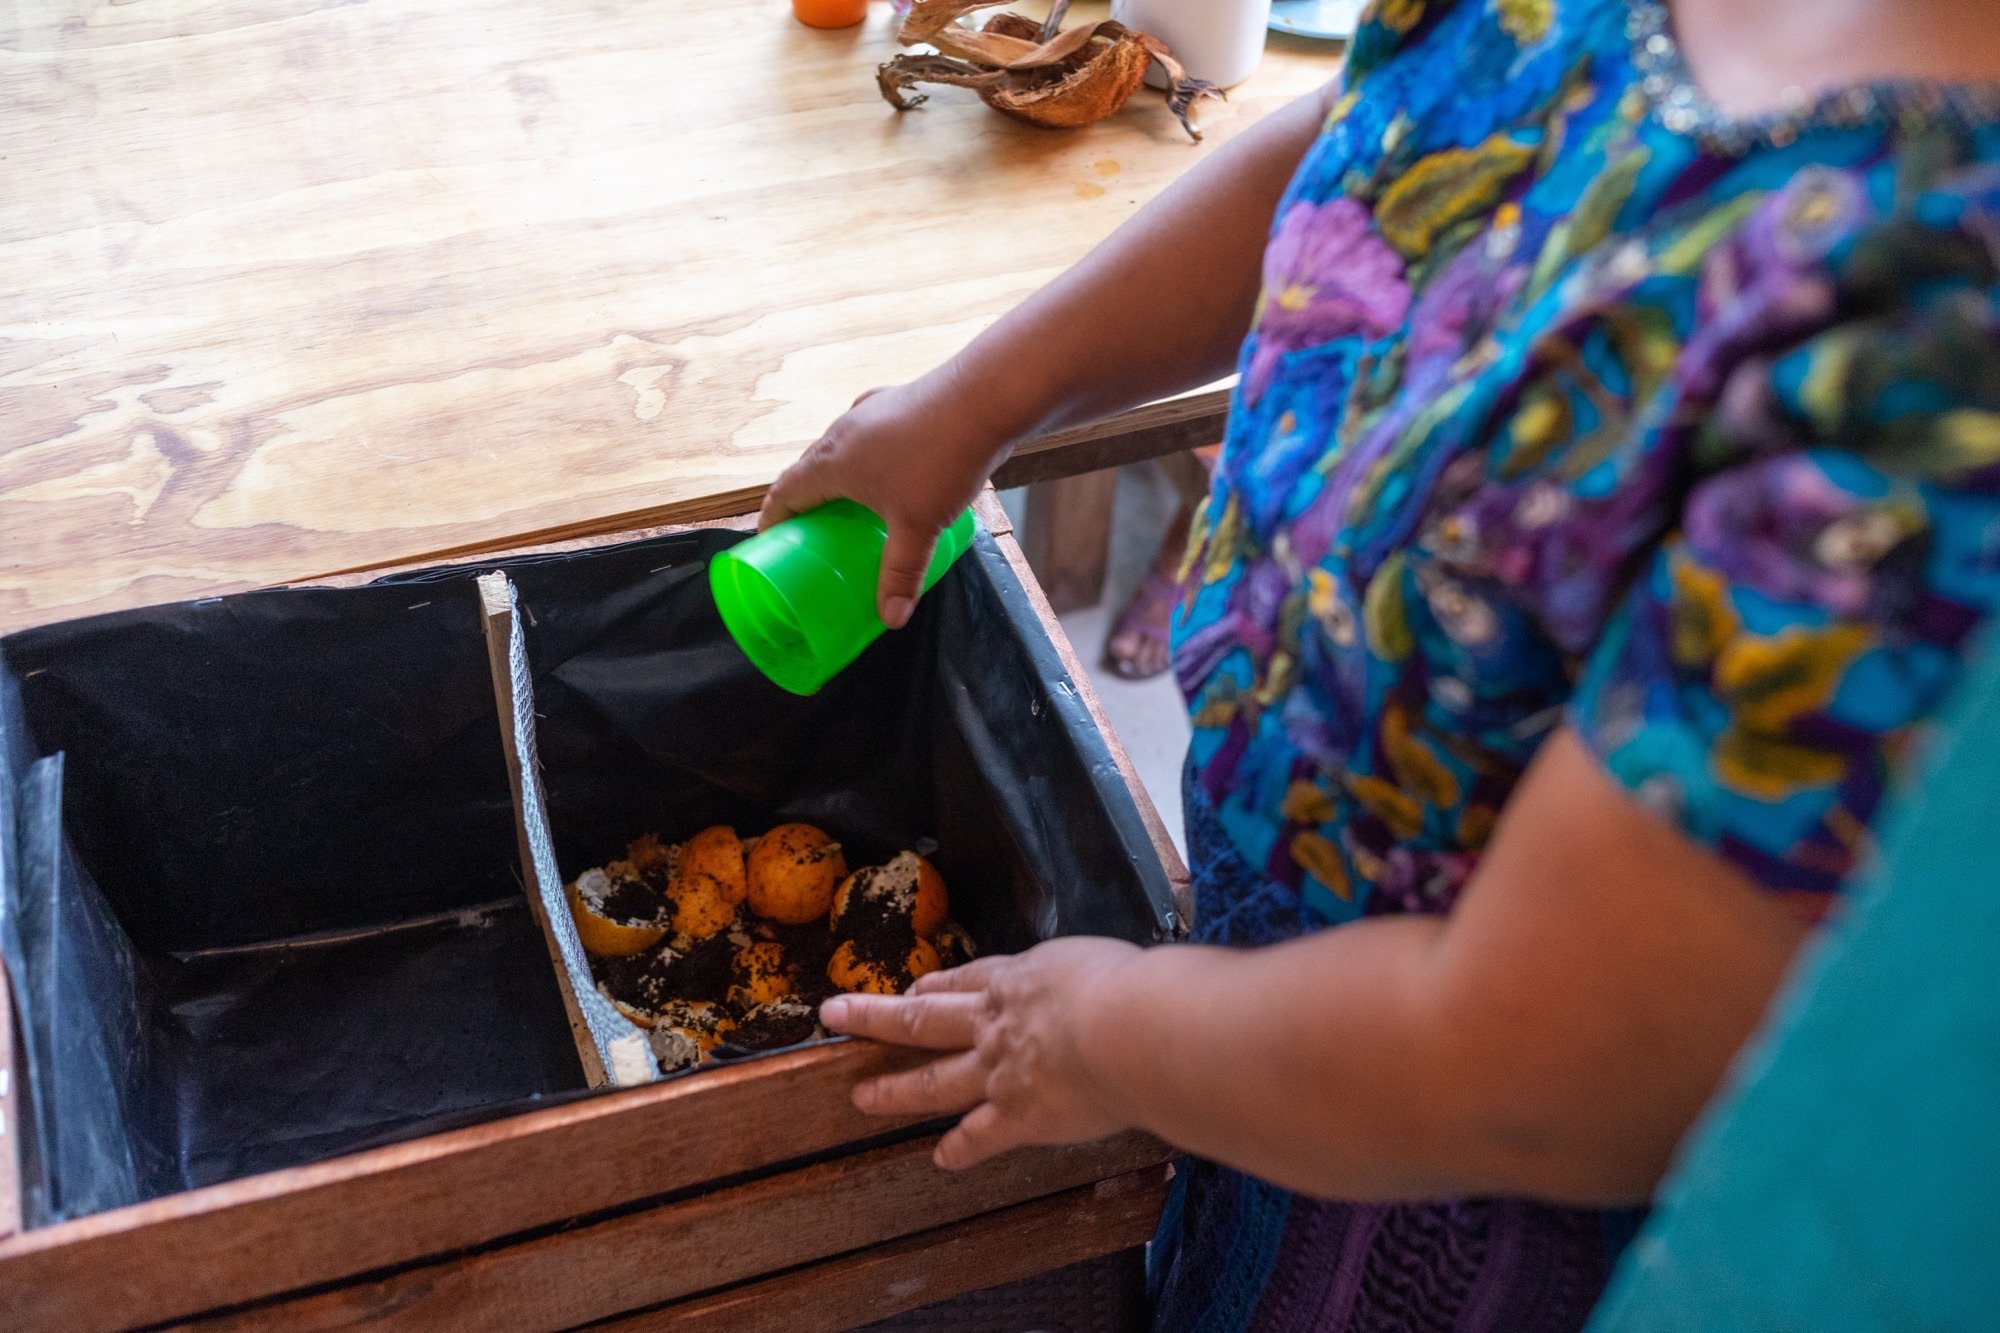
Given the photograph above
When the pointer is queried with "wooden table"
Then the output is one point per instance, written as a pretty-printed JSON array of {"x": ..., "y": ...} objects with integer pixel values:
[{"x": 292, "y": 289}]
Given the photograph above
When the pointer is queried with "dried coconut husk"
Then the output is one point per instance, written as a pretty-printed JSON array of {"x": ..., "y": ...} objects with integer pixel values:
[{"x": 1040, "y": 73}]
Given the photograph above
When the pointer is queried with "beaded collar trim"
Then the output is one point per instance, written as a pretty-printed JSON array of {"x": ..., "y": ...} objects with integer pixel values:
[{"x": 1681, "y": 108}]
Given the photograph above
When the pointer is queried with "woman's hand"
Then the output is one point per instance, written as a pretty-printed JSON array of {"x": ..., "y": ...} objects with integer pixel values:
[
  {"x": 1016, "y": 1066},
  {"x": 1159, "y": 307},
  {"x": 916, "y": 454}
]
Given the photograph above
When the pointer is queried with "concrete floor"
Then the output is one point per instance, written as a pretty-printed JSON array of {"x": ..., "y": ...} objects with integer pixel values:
[{"x": 1147, "y": 715}]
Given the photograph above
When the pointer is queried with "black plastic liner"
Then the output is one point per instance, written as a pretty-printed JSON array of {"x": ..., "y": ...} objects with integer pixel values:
[{"x": 266, "y": 906}]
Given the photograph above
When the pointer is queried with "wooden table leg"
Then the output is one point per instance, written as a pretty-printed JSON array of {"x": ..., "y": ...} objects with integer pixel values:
[{"x": 1067, "y": 536}]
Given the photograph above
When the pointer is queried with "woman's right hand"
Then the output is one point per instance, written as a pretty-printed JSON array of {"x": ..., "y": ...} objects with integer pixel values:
[
  {"x": 1158, "y": 308},
  {"x": 914, "y": 453}
]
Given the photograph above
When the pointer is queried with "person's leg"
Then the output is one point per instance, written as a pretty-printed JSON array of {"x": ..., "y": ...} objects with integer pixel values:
[{"x": 1136, "y": 648}]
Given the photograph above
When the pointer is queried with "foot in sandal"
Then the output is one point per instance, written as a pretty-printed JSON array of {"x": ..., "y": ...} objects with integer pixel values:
[{"x": 1137, "y": 645}]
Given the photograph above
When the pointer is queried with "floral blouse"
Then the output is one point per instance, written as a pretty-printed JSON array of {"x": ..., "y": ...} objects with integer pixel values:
[
  {"x": 1553, "y": 413},
  {"x": 1569, "y": 402}
]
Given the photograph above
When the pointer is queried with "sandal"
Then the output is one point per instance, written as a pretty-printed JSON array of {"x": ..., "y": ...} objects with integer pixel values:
[{"x": 1136, "y": 648}]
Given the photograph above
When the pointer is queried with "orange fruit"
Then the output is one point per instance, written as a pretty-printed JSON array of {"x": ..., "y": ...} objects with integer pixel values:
[
  {"x": 759, "y": 975},
  {"x": 851, "y": 972},
  {"x": 600, "y": 933},
  {"x": 702, "y": 905},
  {"x": 793, "y": 872},
  {"x": 907, "y": 886},
  {"x": 717, "y": 852}
]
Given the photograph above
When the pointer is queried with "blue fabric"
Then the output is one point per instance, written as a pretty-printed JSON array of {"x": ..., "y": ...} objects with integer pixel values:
[{"x": 1851, "y": 1179}]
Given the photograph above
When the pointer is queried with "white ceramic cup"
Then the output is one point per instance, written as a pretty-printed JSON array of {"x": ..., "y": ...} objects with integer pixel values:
[{"x": 1217, "y": 40}]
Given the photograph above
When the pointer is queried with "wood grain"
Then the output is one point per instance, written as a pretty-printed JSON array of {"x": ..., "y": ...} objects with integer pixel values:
[
  {"x": 1004, "y": 1246},
  {"x": 645, "y": 1258},
  {"x": 262, "y": 1235},
  {"x": 288, "y": 289},
  {"x": 1153, "y": 431}
]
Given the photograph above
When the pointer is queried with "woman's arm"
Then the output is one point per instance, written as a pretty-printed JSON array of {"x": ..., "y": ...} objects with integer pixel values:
[
  {"x": 1159, "y": 307},
  {"x": 1553, "y": 1037}
]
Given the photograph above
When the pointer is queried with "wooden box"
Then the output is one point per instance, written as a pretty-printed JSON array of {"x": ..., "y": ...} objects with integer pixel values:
[{"x": 751, "y": 1195}]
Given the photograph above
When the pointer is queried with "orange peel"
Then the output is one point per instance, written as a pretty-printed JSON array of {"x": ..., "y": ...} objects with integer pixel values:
[
  {"x": 759, "y": 975},
  {"x": 701, "y": 906},
  {"x": 852, "y": 972},
  {"x": 601, "y": 934},
  {"x": 793, "y": 872},
  {"x": 907, "y": 884},
  {"x": 717, "y": 852}
]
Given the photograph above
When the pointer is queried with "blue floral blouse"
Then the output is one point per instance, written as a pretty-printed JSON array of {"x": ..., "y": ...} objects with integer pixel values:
[{"x": 1560, "y": 407}]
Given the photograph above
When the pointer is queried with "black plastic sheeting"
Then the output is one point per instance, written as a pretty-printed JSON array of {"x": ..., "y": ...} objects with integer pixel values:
[{"x": 260, "y": 902}]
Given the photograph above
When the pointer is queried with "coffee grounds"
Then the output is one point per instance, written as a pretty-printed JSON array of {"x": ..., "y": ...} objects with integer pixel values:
[
  {"x": 808, "y": 949},
  {"x": 620, "y": 976},
  {"x": 774, "y": 1026},
  {"x": 882, "y": 934},
  {"x": 702, "y": 973},
  {"x": 634, "y": 900}
]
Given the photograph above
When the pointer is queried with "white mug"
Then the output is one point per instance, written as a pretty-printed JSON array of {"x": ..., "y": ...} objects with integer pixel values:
[{"x": 1217, "y": 40}]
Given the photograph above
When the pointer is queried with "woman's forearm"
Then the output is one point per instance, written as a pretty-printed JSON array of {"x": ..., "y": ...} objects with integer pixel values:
[
  {"x": 1159, "y": 307},
  {"x": 1552, "y": 1037},
  {"x": 1293, "y": 1063}
]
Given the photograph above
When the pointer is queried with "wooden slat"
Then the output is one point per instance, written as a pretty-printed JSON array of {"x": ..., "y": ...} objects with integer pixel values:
[
  {"x": 1068, "y": 537},
  {"x": 256, "y": 1237},
  {"x": 1005, "y": 1246},
  {"x": 642, "y": 1259},
  {"x": 1152, "y": 431}
]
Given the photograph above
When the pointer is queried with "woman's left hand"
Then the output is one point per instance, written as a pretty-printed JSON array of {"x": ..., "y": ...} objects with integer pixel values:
[{"x": 1016, "y": 1065}]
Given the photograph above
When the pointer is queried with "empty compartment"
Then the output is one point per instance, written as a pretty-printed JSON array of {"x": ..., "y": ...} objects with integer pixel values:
[{"x": 264, "y": 907}]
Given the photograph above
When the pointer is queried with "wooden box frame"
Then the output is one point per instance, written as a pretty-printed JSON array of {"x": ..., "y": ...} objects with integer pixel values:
[{"x": 751, "y": 1195}]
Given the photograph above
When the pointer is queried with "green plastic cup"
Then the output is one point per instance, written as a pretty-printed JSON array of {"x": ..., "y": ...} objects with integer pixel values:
[{"x": 799, "y": 597}]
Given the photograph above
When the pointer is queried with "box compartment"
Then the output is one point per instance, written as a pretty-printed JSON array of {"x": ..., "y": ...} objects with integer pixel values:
[
  {"x": 287, "y": 822},
  {"x": 956, "y": 737},
  {"x": 262, "y": 905}
]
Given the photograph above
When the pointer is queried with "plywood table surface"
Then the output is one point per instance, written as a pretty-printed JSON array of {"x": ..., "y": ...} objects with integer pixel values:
[{"x": 288, "y": 289}]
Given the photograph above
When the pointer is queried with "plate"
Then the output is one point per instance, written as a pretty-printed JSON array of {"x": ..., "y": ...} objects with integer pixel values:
[{"x": 1316, "y": 18}]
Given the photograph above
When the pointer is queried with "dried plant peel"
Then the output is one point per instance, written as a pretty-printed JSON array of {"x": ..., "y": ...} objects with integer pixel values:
[{"x": 1031, "y": 71}]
